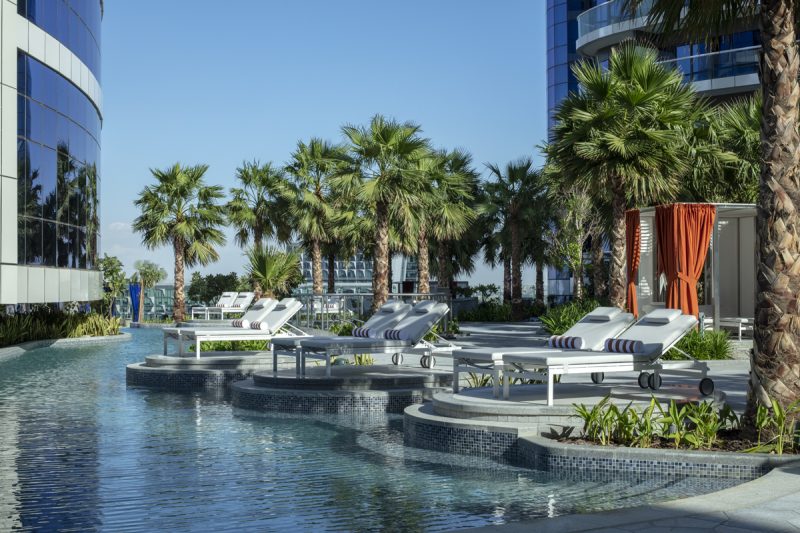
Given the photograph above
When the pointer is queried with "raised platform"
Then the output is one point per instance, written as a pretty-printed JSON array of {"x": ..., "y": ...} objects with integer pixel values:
[
  {"x": 472, "y": 422},
  {"x": 383, "y": 388}
]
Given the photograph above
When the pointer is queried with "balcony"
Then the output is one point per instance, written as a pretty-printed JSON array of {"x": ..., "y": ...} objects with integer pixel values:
[
  {"x": 608, "y": 24},
  {"x": 719, "y": 73}
]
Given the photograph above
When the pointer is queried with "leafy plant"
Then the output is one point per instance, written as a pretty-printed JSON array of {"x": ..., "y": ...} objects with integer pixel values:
[
  {"x": 707, "y": 345},
  {"x": 562, "y": 317},
  {"x": 706, "y": 424},
  {"x": 674, "y": 423},
  {"x": 234, "y": 346},
  {"x": 363, "y": 359},
  {"x": 781, "y": 423},
  {"x": 43, "y": 323}
]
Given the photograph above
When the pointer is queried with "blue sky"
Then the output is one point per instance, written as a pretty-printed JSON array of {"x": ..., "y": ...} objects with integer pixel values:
[{"x": 201, "y": 81}]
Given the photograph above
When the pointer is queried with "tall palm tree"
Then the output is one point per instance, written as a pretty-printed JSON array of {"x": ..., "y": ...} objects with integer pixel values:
[
  {"x": 385, "y": 151},
  {"x": 777, "y": 341},
  {"x": 620, "y": 135},
  {"x": 182, "y": 211},
  {"x": 312, "y": 167},
  {"x": 517, "y": 192},
  {"x": 148, "y": 274},
  {"x": 258, "y": 208},
  {"x": 275, "y": 271}
]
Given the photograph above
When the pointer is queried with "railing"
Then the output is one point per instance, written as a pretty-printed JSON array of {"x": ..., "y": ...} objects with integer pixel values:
[
  {"x": 611, "y": 12},
  {"x": 723, "y": 64},
  {"x": 325, "y": 310}
]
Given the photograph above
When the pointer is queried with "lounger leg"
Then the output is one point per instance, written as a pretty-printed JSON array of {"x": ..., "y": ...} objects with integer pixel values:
[
  {"x": 298, "y": 357},
  {"x": 455, "y": 375},
  {"x": 274, "y": 359},
  {"x": 506, "y": 382},
  {"x": 327, "y": 364},
  {"x": 495, "y": 382},
  {"x": 165, "y": 344},
  {"x": 197, "y": 347},
  {"x": 549, "y": 388}
]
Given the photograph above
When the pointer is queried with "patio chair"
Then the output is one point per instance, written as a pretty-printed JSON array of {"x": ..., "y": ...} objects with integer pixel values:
[
  {"x": 593, "y": 330},
  {"x": 385, "y": 318},
  {"x": 239, "y": 305},
  {"x": 640, "y": 349},
  {"x": 273, "y": 322},
  {"x": 406, "y": 334},
  {"x": 224, "y": 301}
]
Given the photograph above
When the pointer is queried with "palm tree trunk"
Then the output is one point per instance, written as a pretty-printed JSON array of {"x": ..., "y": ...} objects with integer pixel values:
[
  {"x": 380, "y": 255},
  {"x": 331, "y": 273},
  {"x": 316, "y": 266},
  {"x": 516, "y": 272},
  {"x": 577, "y": 282},
  {"x": 423, "y": 266},
  {"x": 140, "y": 318},
  {"x": 390, "y": 273},
  {"x": 616, "y": 274},
  {"x": 506, "y": 280},
  {"x": 539, "y": 282},
  {"x": 776, "y": 355},
  {"x": 179, "y": 302},
  {"x": 444, "y": 268},
  {"x": 598, "y": 266}
]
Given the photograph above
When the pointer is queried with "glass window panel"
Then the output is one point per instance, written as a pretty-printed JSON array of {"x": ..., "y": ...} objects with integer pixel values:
[
  {"x": 49, "y": 244},
  {"x": 21, "y": 239},
  {"x": 64, "y": 245},
  {"x": 33, "y": 242},
  {"x": 81, "y": 249}
]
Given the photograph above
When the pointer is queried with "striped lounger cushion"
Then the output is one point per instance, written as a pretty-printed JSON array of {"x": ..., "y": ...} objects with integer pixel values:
[
  {"x": 241, "y": 323},
  {"x": 257, "y": 324},
  {"x": 360, "y": 332},
  {"x": 624, "y": 346},
  {"x": 568, "y": 343},
  {"x": 394, "y": 334}
]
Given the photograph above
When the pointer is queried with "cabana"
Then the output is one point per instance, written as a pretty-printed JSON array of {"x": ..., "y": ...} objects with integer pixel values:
[{"x": 680, "y": 245}]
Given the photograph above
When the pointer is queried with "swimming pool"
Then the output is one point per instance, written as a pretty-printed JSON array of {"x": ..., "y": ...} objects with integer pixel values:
[{"x": 81, "y": 451}]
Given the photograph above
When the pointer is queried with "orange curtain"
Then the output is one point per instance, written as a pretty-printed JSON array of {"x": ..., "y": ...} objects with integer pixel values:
[
  {"x": 683, "y": 234},
  {"x": 633, "y": 240}
]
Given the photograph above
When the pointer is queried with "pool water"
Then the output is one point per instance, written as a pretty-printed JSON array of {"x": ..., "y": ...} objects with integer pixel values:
[{"x": 81, "y": 451}]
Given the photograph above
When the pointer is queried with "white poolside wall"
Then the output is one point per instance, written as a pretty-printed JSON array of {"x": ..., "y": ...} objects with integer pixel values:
[
  {"x": 737, "y": 242},
  {"x": 20, "y": 283}
]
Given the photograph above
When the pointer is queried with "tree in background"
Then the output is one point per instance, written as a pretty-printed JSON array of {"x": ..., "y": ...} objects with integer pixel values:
[
  {"x": 147, "y": 274},
  {"x": 258, "y": 207},
  {"x": 114, "y": 281},
  {"x": 777, "y": 339},
  {"x": 384, "y": 152},
  {"x": 277, "y": 272},
  {"x": 182, "y": 211},
  {"x": 207, "y": 289},
  {"x": 621, "y": 136}
]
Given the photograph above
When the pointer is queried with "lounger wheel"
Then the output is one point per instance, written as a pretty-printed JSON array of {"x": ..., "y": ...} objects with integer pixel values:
[
  {"x": 706, "y": 386},
  {"x": 397, "y": 359},
  {"x": 644, "y": 378},
  {"x": 598, "y": 377},
  {"x": 654, "y": 381}
]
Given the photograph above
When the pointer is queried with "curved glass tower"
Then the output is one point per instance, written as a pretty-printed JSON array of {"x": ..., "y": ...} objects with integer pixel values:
[{"x": 50, "y": 162}]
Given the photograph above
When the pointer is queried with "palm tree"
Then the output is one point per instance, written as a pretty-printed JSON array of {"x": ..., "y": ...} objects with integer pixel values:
[
  {"x": 258, "y": 208},
  {"x": 182, "y": 211},
  {"x": 777, "y": 343},
  {"x": 516, "y": 192},
  {"x": 147, "y": 274},
  {"x": 312, "y": 167},
  {"x": 384, "y": 151},
  {"x": 620, "y": 135},
  {"x": 275, "y": 271}
]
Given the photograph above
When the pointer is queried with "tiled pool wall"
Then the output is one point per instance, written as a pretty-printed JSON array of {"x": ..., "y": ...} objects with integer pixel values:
[
  {"x": 322, "y": 402},
  {"x": 582, "y": 462},
  {"x": 140, "y": 375}
]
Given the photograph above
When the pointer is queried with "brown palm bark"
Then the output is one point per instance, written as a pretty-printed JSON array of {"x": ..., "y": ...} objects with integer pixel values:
[
  {"x": 179, "y": 302},
  {"x": 380, "y": 255},
  {"x": 389, "y": 272},
  {"x": 423, "y": 263},
  {"x": 444, "y": 268},
  {"x": 539, "y": 282},
  {"x": 516, "y": 272},
  {"x": 331, "y": 273},
  {"x": 506, "y": 280},
  {"x": 775, "y": 367},
  {"x": 598, "y": 265},
  {"x": 140, "y": 317},
  {"x": 316, "y": 266},
  {"x": 616, "y": 271},
  {"x": 577, "y": 282}
]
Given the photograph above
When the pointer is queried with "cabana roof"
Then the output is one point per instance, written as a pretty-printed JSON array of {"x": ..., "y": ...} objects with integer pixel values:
[{"x": 723, "y": 210}]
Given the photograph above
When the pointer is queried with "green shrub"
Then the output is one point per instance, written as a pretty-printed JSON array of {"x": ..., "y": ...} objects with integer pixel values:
[
  {"x": 343, "y": 329},
  {"x": 562, "y": 317},
  {"x": 234, "y": 346},
  {"x": 493, "y": 311},
  {"x": 708, "y": 345},
  {"x": 43, "y": 323}
]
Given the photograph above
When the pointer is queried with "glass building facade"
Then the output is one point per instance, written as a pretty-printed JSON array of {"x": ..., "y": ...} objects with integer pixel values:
[
  {"x": 562, "y": 32},
  {"x": 58, "y": 144}
]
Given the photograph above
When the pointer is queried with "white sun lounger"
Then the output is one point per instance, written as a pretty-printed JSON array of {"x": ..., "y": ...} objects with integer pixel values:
[
  {"x": 658, "y": 332},
  {"x": 408, "y": 333},
  {"x": 203, "y": 312},
  {"x": 594, "y": 328},
  {"x": 275, "y": 322},
  {"x": 385, "y": 318}
]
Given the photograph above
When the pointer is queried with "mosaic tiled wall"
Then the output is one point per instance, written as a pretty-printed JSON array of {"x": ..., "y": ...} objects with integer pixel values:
[{"x": 161, "y": 378}]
